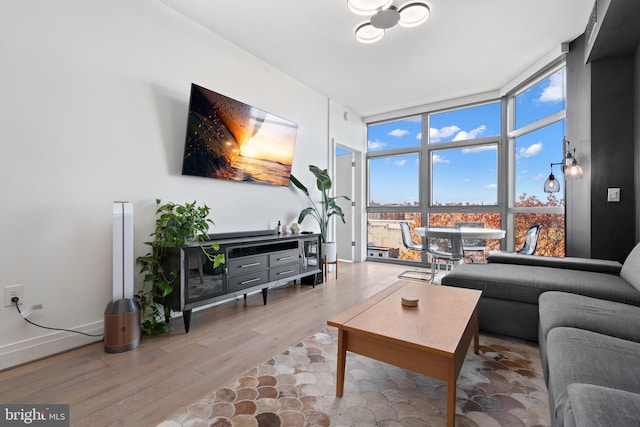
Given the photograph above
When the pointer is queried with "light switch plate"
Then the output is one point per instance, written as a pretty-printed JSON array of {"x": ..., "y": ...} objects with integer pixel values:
[{"x": 613, "y": 194}]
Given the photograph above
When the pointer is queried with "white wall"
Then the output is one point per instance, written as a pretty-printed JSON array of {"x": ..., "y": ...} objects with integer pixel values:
[{"x": 93, "y": 109}]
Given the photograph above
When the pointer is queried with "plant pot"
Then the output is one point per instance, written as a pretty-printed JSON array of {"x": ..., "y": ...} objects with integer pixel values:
[{"x": 329, "y": 251}]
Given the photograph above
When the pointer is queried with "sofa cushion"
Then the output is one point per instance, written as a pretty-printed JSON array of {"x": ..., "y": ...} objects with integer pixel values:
[
  {"x": 631, "y": 268},
  {"x": 593, "y": 314},
  {"x": 594, "y": 406},
  {"x": 579, "y": 356},
  {"x": 572, "y": 263},
  {"x": 512, "y": 318},
  {"x": 525, "y": 283}
]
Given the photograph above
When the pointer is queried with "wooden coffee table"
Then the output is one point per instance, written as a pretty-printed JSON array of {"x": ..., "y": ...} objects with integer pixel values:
[{"x": 431, "y": 338}]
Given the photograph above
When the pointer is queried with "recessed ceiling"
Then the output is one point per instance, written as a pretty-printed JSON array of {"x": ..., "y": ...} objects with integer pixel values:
[{"x": 465, "y": 48}]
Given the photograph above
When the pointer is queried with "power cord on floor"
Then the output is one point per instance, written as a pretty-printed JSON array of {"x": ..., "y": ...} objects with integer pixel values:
[{"x": 16, "y": 299}]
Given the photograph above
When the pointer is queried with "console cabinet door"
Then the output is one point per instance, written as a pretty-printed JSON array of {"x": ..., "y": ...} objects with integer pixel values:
[
  {"x": 311, "y": 256},
  {"x": 202, "y": 280}
]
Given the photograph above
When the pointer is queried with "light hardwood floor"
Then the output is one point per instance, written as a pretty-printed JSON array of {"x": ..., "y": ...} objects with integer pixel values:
[{"x": 140, "y": 387}]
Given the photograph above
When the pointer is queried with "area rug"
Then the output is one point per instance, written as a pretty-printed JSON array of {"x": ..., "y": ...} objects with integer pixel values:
[{"x": 501, "y": 386}]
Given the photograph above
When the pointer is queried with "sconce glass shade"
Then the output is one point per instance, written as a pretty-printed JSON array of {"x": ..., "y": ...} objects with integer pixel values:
[
  {"x": 367, "y": 33},
  {"x": 413, "y": 14},
  {"x": 572, "y": 170},
  {"x": 551, "y": 185},
  {"x": 368, "y": 7}
]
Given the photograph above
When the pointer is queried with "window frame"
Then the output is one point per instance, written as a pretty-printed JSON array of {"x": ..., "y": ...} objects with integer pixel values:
[{"x": 511, "y": 134}]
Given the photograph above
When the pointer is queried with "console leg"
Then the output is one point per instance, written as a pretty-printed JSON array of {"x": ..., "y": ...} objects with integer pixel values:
[
  {"x": 186, "y": 316},
  {"x": 264, "y": 295}
]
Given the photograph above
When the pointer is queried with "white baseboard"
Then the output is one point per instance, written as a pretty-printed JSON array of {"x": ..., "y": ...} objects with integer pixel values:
[{"x": 56, "y": 342}]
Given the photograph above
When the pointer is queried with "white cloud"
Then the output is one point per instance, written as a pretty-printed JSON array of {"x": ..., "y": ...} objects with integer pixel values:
[
  {"x": 530, "y": 151},
  {"x": 400, "y": 162},
  {"x": 436, "y": 135},
  {"x": 439, "y": 159},
  {"x": 491, "y": 186},
  {"x": 419, "y": 135},
  {"x": 467, "y": 180},
  {"x": 462, "y": 135},
  {"x": 375, "y": 145},
  {"x": 554, "y": 91},
  {"x": 540, "y": 177},
  {"x": 399, "y": 133}
]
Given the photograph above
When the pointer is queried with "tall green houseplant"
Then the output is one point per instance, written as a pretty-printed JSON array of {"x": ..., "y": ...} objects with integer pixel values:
[
  {"x": 176, "y": 225},
  {"x": 328, "y": 206}
]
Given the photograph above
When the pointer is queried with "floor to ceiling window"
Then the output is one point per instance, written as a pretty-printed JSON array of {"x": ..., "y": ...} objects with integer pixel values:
[
  {"x": 394, "y": 153},
  {"x": 537, "y": 139},
  {"x": 465, "y": 165},
  {"x": 464, "y": 150},
  {"x": 438, "y": 169}
]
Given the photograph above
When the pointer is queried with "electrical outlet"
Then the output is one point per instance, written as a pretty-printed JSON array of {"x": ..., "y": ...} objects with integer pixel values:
[{"x": 13, "y": 291}]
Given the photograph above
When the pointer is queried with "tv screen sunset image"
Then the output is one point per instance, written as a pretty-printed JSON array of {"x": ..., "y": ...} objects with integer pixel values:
[{"x": 227, "y": 139}]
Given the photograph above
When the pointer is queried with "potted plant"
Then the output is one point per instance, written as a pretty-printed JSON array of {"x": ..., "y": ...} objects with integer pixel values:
[
  {"x": 328, "y": 207},
  {"x": 176, "y": 226}
]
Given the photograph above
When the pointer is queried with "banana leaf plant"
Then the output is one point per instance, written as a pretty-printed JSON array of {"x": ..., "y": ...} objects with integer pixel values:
[{"x": 327, "y": 207}]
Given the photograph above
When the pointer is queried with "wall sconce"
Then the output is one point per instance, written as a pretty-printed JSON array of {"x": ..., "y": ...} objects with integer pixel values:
[
  {"x": 570, "y": 168},
  {"x": 551, "y": 185}
]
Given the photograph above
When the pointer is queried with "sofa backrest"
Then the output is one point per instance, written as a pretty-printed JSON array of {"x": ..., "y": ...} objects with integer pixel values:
[
  {"x": 571, "y": 263},
  {"x": 631, "y": 268}
]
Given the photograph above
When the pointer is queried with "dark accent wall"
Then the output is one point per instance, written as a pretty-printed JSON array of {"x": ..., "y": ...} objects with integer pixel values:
[
  {"x": 603, "y": 123},
  {"x": 612, "y": 156}
]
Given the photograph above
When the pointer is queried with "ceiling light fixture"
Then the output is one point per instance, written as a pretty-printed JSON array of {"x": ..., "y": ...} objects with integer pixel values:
[
  {"x": 368, "y": 7},
  {"x": 384, "y": 15}
]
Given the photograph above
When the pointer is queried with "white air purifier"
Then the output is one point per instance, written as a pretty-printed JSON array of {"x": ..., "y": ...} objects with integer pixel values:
[{"x": 122, "y": 315}]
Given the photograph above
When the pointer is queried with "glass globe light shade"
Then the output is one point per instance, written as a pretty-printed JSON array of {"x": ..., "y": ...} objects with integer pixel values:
[
  {"x": 574, "y": 171},
  {"x": 551, "y": 185}
]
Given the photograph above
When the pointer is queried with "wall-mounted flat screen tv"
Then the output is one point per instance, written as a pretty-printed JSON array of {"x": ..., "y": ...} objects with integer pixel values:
[{"x": 228, "y": 139}]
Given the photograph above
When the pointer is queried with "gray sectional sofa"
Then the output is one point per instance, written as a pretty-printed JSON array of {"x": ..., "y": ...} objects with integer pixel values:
[{"x": 585, "y": 315}]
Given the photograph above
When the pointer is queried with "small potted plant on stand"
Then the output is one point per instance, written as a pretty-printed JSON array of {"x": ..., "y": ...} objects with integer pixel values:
[{"x": 328, "y": 208}]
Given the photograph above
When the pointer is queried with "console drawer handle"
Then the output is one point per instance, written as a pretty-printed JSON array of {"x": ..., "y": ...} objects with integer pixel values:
[
  {"x": 253, "y": 264},
  {"x": 285, "y": 272},
  {"x": 250, "y": 281},
  {"x": 283, "y": 258}
]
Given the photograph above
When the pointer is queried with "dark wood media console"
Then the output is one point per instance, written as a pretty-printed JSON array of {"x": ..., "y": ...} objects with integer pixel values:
[{"x": 254, "y": 261}]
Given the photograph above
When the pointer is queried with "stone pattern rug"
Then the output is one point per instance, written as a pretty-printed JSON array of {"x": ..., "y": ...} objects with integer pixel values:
[{"x": 501, "y": 386}]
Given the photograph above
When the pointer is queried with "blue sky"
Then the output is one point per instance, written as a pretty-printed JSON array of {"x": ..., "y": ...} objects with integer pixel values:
[{"x": 470, "y": 175}]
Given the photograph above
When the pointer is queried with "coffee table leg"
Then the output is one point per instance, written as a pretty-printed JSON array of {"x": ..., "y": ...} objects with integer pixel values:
[
  {"x": 476, "y": 331},
  {"x": 342, "y": 358},
  {"x": 451, "y": 398}
]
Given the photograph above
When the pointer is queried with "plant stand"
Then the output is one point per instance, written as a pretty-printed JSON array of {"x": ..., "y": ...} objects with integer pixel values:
[{"x": 327, "y": 262}]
